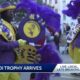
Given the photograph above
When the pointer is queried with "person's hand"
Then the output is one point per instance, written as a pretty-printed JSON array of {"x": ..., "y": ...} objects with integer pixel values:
[
  {"x": 56, "y": 34},
  {"x": 22, "y": 42}
]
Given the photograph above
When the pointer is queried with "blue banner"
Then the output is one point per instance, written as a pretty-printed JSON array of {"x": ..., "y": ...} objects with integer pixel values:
[{"x": 27, "y": 67}]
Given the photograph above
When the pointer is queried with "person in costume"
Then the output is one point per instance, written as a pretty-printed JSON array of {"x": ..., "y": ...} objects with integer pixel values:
[
  {"x": 8, "y": 35},
  {"x": 44, "y": 17},
  {"x": 8, "y": 40},
  {"x": 73, "y": 11}
]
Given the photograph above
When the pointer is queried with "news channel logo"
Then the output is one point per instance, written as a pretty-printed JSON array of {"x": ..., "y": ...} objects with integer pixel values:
[{"x": 67, "y": 68}]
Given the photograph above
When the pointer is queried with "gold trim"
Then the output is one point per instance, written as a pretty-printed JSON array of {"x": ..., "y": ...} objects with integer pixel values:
[
  {"x": 9, "y": 26},
  {"x": 7, "y": 8}
]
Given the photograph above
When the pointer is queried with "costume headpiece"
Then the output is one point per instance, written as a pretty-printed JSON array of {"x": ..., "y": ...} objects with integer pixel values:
[
  {"x": 50, "y": 17},
  {"x": 73, "y": 9},
  {"x": 6, "y": 6}
]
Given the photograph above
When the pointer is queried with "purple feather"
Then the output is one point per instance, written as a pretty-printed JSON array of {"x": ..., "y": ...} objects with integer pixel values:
[
  {"x": 51, "y": 18},
  {"x": 28, "y": 6},
  {"x": 73, "y": 9},
  {"x": 49, "y": 54}
]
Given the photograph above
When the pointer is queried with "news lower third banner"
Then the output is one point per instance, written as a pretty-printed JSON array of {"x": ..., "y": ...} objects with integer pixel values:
[{"x": 52, "y": 68}]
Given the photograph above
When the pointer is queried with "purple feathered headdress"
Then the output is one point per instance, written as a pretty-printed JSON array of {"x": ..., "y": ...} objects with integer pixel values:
[
  {"x": 73, "y": 9},
  {"x": 51, "y": 18}
]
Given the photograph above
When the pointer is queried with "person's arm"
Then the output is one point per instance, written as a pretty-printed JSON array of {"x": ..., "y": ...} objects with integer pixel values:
[
  {"x": 8, "y": 45},
  {"x": 4, "y": 45}
]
